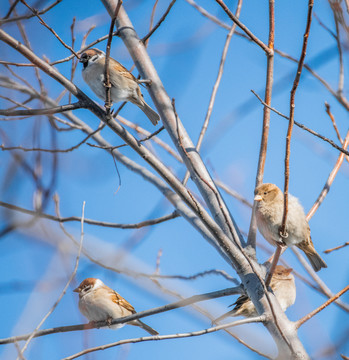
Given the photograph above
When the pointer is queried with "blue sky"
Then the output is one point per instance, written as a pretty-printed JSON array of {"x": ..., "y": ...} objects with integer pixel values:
[{"x": 186, "y": 52}]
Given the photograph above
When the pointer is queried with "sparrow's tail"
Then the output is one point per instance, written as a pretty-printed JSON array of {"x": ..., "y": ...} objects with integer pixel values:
[
  {"x": 315, "y": 260},
  {"x": 146, "y": 327},
  {"x": 151, "y": 114}
]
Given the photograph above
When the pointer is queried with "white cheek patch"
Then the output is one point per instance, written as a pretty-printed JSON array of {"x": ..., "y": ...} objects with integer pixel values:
[{"x": 94, "y": 58}]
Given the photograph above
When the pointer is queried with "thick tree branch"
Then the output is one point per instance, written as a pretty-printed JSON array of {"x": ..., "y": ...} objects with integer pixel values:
[{"x": 173, "y": 125}]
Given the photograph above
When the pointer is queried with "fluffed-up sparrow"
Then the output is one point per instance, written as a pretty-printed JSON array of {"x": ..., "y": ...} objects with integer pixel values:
[
  {"x": 99, "y": 302},
  {"x": 269, "y": 212},
  {"x": 124, "y": 86},
  {"x": 284, "y": 288}
]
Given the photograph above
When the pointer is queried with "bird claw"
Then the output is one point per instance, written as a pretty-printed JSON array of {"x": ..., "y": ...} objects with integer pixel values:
[
  {"x": 284, "y": 235},
  {"x": 109, "y": 321}
]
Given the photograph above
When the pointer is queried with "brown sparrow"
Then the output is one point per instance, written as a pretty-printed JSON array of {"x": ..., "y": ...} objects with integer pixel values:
[
  {"x": 124, "y": 86},
  {"x": 283, "y": 286},
  {"x": 98, "y": 302},
  {"x": 269, "y": 212}
]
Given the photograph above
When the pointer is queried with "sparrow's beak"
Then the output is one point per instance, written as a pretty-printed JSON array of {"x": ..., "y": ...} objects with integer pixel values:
[
  {"x": 83, "y": 59},
  {"x": 258, "y": 198},
  {"x": 77, "y": 290}
]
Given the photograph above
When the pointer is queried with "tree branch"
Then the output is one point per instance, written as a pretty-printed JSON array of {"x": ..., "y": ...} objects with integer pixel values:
[
  {"x": 125, "y": 319},
  {"x": 301, "y": 321},
  {"x": 251, "y": 240},
  {"x": 49, "y": 111},
  {"x": 283, "y": 230},
  {"x": 167, "y": 337}
]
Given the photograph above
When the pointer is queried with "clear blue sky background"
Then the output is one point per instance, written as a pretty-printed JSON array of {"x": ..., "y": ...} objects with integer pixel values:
[{"x": 186, "y": 52}]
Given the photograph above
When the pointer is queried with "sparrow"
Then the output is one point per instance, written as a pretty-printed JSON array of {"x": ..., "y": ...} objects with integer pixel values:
[
  {"x": 124, "y": 86},
  {"x": 269, "y": 212},
  {"x": 284, "y": 288},
  {"x": 98, "y": 302}
]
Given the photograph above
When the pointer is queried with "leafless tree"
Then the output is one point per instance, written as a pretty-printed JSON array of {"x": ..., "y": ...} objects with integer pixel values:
[{"x": 198, "y": 202}]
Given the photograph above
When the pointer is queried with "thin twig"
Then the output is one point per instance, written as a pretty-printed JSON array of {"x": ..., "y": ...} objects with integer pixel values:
[
  {"x": 329, "y": 181},
  {"x": 339, "y": 46},
  {"x": 323, "y": 287},
  {"x": 147, "y": 133},
  {"x": 48, "y": 111},
  {"x": 215, "y": 88},
  {"x": 35, "y": 332},
  {"x": 336, "y": 248},
  {"x": 12, "y": 7},
  {"x": 111, "y": 148},
  {"x": 9, "y": 148},
  {"x": 232, "y": 193},
  {"x": 73, "y": 63},
  {"x": 107, "y": 84},
  {"x": 36, "y": 13},
  {"x": 283, "y": 230},
  {"x": 168, "y": 337},
  {"x": 251, "y": 239},
  {"x": 331, "y": 142},
  {"x": 342, "y": 100},
  {"x": 333, "y": 120},
  {"x": 163, "y": 17},
  {"x": 301, "y": 321},
  {"x": 324, "y": 26},
  {"x": 24, "y": 17},
  {"x": 279, "y": 250},
  {"x": 244, "y": 28},
  {"x": 139, "y": 225}
]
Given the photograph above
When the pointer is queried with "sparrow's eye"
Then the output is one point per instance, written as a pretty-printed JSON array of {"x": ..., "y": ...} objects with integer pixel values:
[{"x": 265, "y": 193}]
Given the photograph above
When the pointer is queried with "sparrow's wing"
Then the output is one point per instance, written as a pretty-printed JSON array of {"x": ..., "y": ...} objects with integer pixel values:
[
  {"x": 240, "y": 301},
  {"x": 121, "y": 69},
  {"x": 118, "y": 299}
]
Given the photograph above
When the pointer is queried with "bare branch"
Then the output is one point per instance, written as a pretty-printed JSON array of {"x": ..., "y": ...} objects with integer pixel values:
[
  {"x": 215, "y": 87},
  {"x": 107, "y": 55},
  {"x": 339, "y": 45},
  {"x": 251, "y": 240},
  {"x": 329, "y": 181},
  {"x": 323, "y": 287},
  {"x": 7, "y": 148},
  {"x": 163, "y": 17},
  {"x": 283, "y": 230},
  {"x": 49, "y": 111},
  {"x": 301, "y": 321},
  {"x": 336, "y": 248},
  {"x": 260, "y": 43},
  {"x": 89, "y": 221},
  {"x": 340, "y": 98},
  {"x": 33, "y": 334},
  {"x": 24, "y": 17},
  {"x": 36, "y": 13},
  {"x": 125, "y": 319},
  {"x": 167, "y": 337},
  {"x": 303, "y": 127}
]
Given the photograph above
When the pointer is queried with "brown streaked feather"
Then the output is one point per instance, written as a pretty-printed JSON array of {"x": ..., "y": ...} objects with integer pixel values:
[
  {"x": 119, "y": 300},
  {"x": 121, "y": 69}
]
